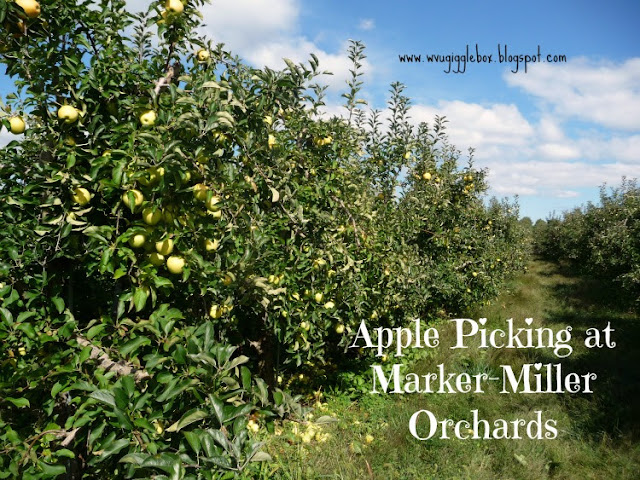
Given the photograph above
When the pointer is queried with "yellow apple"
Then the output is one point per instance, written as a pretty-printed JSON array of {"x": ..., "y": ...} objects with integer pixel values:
[
  {"x": 156, "y": 259},
  {"x": 174, "y": 6},
  {"x": 305, "y": 326},
  {"x": 426, "y": 176},
  {"x": 211, "y": 246},
  {"x": 329, "y": 305},
  {"x": 155, "y": 174},
  {"x": 81, "y": 196},
  {"x": 165, "y": 247},
  {"x": 203, "y": 55},
  {"x": 148, "y": 118},
  {"x": 228, "y": 278},
  {"x": 215, "y": 311},
  {"x": 200, "y": 191},
  {"x": 138, "y": 240},
  {"x": 30, "y": 7},
  {"x": 212, "y": 204},
  {"x": 318, "y": 297},
  {"x": 175, "y": 264},
  {"x": 151, "y": 216},
  {"x": 17, "y": 125},
  {"x": 319, "y": 263},
  {"x": 138, "y": 198},
  {"x": 68, "y": 114},
  {"x": 271, "y": 141},
  {"x": 340, "y": 329},
  {"x": 475, "y": 274},
  {"x": 217, "y": 214}
]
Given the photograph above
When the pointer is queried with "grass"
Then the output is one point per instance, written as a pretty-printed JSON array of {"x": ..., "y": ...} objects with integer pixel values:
[{"x": 598, "y": 433}]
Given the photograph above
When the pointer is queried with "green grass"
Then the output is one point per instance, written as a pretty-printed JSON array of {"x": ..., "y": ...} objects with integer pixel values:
[{"x": 598, "y": 433}]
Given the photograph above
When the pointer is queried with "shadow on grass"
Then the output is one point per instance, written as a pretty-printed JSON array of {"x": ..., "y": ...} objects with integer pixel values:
[{"x": 613, "y": 409}]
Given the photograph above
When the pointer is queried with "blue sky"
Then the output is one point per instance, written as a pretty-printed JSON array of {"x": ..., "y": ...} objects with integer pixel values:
[{"x": 552, "y": 135}]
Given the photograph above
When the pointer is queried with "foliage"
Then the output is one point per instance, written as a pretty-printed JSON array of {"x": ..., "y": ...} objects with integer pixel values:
[
  {"x": 179, "y": 226},
  {"x": 603, "y": 240}
]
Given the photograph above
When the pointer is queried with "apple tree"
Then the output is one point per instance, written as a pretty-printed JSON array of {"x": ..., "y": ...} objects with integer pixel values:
[{"x": 185, "y": 235}]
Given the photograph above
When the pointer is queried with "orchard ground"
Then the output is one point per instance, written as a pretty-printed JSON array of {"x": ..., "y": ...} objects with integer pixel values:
[{"x": 598, "y": 432}]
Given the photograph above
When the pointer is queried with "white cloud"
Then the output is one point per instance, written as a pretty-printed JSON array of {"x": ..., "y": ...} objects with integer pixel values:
[
  {"x": 558, "y": 151},
  {"x": 263, "y": 33},
  {"x": 245, "y": 25},
  {"x": 271, "y": 55},
  {"x": 604, "y": 93},
  {"x": 5, "y": 136},
  {"x": 567, "y": 194},
  {"x": 367, "y": 24},
  {"x": 556, "y": 179},
  {"x": 481, "y": 127},
  {"x": 535, "y": 158}
]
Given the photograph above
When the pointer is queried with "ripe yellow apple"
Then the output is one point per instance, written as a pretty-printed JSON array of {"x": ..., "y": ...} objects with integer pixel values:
[
  {"x": 475, "y": 274},
  {"x": 68, "y": 114},
  {"x": 17, "y": 125},
  {"x": 138, "y": 240},
  {"x": 174, "y": 6},
  {"x": 217, "y": 214},
  {"x": 271, "y": 141},
  {"x": 305, "y": 326},
  {"x": 30, "y": 7},
  {"x": 175, "y": 264},
  {"x": 151, "y": 216},
  {"x": 212, "y": 204},
  {"x": 148, "y": 118},
  {"x": 203, "y": 55},
  {"x": 211, "y": 246},
  {"x": 215, "y": 311},
  {"x": 228, "y": 278},
  {"x": 200, "y": 191},
  {"x": 319, "y": 263},
  {"x": 156, "y": 259},
  {"x": 164, "y": 247},
  {"x": 268, "y": 120},
  {"x": 318, "y": 297},
  {"x": 155, "y": 174},
  {"x": 340, "y": 329},
  {"x": 138, "y": 198},
  {"x": 329, "y": 305},
  {"x": 426, "y": 176},
  {"x": 81, "y": 196}
]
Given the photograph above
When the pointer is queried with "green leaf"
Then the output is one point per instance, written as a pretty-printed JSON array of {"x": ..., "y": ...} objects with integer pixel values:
[
  {"x": 238, "y": 361},
  {"x": 58, "y": 303},
  {"x": 194, "y": 441},
  {"x": 114, "y": 448},
  {"x": 188, "y": 418},
  {"x": 246, "y": 378},
  {"x": 132, "y": 345},
  {"x": 104, "y": 396},
  {"x": 261, "y": 457},
  {"x": 95, "y": 330},
  {"x": 28, "y": 329},
  {"x": 19, "y": 402},
  {"x": 140, "y": 298}
]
